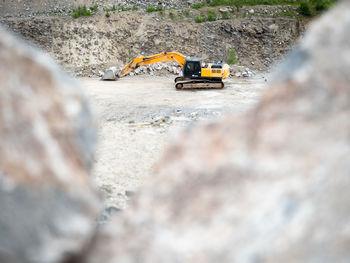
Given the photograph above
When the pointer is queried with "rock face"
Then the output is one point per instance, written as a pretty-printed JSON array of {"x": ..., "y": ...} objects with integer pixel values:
[
  {"x": 98, "y": 40},
  {"x": 270, "y": 186},
  {"x": 48, "y": 205}
]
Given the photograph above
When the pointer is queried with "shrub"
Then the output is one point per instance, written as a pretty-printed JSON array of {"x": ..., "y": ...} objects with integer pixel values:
[
  {"x": 94, "y": 8},
  {"x": 181, "y": 17},
  {"x": 286, "y": 13},
  {"x": 187, "y": 13},
  {"x": 196, "y": 5},
  {"x": 151, "y": 8},
  {"x": 172, "y": 16},
  {"x": 135, "y": 8},
  {"x": 304, "y": 9},
  {"x": 81, "y": 11},
  {"x": 199, "y": 19},
  {"x": 108, "y": 14},
  {"x": 224, "y": 15},
  {"x": 211, "y": 15},
  {"x": 112, "y": 9},
  {"x": 321, "y": 6},
  {"x": 232, "y": 58}
]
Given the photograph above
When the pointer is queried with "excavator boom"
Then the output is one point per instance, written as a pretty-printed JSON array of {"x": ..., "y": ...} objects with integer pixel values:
[{"x": 161, "y": 57}]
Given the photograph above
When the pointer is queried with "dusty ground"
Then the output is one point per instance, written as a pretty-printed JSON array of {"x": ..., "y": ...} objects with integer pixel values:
[{"x": 138, "y": 116}]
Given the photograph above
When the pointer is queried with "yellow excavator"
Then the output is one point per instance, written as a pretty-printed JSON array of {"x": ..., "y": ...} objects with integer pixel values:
[{"x": 195, "y": 74}]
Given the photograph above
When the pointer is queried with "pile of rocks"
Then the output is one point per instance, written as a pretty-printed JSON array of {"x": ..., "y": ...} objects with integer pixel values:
[
  {"x": 241, "y": 72},
  {"x": 143, "y": 4},
  {"x": 163, "y": 69},
  {"x": 157, "y": 69}
]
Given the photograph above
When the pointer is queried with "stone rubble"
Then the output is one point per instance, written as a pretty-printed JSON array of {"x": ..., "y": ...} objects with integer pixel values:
[
  {"x": 164, "y": 69},
  {"x": 110, "y": 74}
]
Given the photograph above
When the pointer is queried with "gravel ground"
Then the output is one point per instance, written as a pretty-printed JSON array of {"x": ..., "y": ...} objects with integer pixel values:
[{"x": 138, "y": 116}]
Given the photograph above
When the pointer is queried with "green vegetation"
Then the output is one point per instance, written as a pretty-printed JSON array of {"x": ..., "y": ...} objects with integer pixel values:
[
  {"x": 112, "y": 9},
  {"x": 94, "y": 8},
  {"x": 287, "y": 13},
  {"x": 304, "y": 9},
  {"x": 320, "y": 3},
  {"x": 200, "y": 19},
  {"x": 232, "y": 58},
  {"x": 123, "y": 8},
  {"x": 224, "y": 15},
  {"x": 151, "y": 9},
  {"x": 108, "y": 10},
  {"x": 87, "y": 62},
  {"x": 321, "y": 6},
  {"x": 211, "y": 15},
  {"x": 197, "y": 5},
  {"x": 81, "y": 11}
]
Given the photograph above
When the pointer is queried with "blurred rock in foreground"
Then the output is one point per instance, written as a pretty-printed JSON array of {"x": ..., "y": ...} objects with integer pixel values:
[
  {"x": 271, "y": 186},
  {"x": 48, "y": 206}
]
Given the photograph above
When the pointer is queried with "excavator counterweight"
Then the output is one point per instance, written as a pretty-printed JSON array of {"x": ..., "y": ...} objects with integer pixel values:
[{"x": 195, "y": 74}]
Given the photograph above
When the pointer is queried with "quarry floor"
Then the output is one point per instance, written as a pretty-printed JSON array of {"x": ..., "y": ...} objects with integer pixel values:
[{"x": 137, "y": 117}]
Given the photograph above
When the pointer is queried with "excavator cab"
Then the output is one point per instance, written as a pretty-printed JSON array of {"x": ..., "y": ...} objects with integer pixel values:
[{"x": 192, "y": 68}]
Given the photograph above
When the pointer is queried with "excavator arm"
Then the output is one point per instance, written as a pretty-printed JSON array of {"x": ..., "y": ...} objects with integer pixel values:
[{"x": 161, "y": 57}]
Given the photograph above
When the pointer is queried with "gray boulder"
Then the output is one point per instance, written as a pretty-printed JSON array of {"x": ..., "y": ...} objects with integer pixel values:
[
  {"x": 269, "y": 186},
  {"x": 48, "y": 205},
  {"x": 110, "y": 74}
]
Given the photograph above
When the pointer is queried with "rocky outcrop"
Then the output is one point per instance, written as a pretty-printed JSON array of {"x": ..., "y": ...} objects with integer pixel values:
[
  {"x": 99, "y": 42},
  {"x": 47, "y": 202},
  {"x": 269, "y": 186}
]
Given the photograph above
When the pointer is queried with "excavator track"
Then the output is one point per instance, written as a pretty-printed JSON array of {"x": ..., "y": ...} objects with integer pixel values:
[{"x": 185, "y": 83}]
